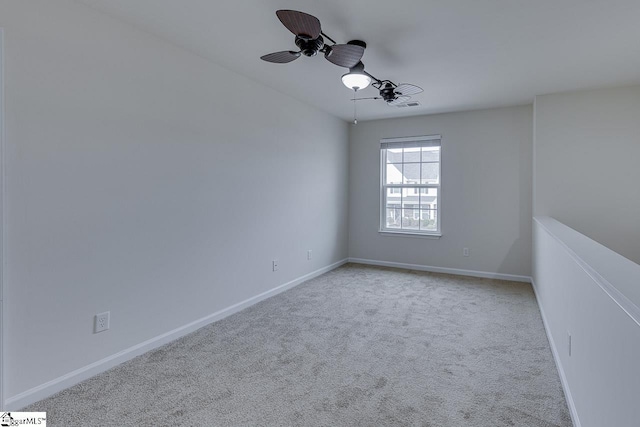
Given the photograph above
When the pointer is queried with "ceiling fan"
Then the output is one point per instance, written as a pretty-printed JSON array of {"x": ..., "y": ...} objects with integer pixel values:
[
  {"x": 391, "y": 93},
  {"x": 309, "y": 39},
  {"x": 357, "y": 78}
]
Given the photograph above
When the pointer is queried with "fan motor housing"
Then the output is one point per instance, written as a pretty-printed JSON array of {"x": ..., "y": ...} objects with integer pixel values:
[
  {"x": 387, "y": 93},
  {"x": 309, "y": 47}
]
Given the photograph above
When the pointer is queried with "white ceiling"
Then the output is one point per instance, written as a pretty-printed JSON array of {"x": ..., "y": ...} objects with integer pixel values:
[{"x": 466, "y": 54}]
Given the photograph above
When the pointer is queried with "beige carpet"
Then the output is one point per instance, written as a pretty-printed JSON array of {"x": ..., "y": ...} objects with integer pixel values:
[{"x": 359, "y": 346}]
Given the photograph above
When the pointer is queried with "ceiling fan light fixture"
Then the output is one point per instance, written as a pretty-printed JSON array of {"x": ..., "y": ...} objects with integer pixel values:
[{"x": 356, "y": 80}]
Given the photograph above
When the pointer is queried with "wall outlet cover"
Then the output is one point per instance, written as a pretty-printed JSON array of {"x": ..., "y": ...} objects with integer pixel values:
[{"x": 102, "y": 321}]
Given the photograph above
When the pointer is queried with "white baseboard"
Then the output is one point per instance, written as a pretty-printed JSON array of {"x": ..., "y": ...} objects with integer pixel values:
[
  {"x": 65, "y": 381},
  {"x": 460, "y": 272},
  {"x": 563, "y": 378}
]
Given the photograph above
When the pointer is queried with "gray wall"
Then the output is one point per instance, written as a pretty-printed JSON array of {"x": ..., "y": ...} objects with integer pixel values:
[
  {"x": 147, "y": 181},
  {"x": 586, "y": 173},
  {"x": 486, "y": 191}
]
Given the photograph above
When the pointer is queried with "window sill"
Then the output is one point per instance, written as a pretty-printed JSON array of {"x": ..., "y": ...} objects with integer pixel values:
[{"x": 408, "y": 234}]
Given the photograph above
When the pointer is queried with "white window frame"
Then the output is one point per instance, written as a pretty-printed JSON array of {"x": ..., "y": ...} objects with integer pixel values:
[{"x": 421, "y": 141}]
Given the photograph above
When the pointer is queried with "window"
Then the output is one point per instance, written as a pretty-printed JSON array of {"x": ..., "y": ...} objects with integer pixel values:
[{"x": 410, "y": 185}]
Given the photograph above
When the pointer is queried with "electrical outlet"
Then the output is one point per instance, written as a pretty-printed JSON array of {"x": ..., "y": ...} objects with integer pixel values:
[
  {"x": 309, "y": 254},
  {"x": 465, "y": 251},
  {"x": 275, "y": 265},
  {"x": 101, "y": 322},
  {"x": 569, "y": 342}
]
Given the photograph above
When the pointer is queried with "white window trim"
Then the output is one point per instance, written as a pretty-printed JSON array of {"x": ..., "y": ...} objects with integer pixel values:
[
  {"x": 419, "y": 234},
  {"x": 383, "y": 187}
]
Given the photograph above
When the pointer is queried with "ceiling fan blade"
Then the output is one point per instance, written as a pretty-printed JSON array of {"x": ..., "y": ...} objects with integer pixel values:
[
  {"x": 362, "y": 99},
  {"x": 281, "y": 57},
  {"x": 407, "y": 89},
  {"x": 299, "y": 23},
  {"x": 399, "y": 100},
  {"x": 344, "y": 55}
]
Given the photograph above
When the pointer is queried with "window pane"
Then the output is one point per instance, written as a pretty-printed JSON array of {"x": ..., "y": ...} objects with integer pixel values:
[
  {"x": 394, "y": 155},
  {"x": 412, "y": 155},
  {"x": 430, "y": 154},
  {"x": 394, "y": 174},
  {"x": 429, "y": 199},
  {"x": 393, "y": 217},
  {"x": 428, "y": 221},
  {"x": 430, "y": 173},
  {"x": 411, "y": 173},
  {"x": 408, "y": 220}
]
